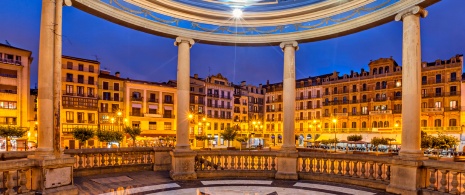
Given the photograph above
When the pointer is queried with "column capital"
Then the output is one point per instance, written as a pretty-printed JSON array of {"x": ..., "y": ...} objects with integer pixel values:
[
  {"x": 180, "y": 40},
  {"x": 67, "y": 3},
  {"x": 411, "y": 11},
  {"x": 289, "y": 44}
]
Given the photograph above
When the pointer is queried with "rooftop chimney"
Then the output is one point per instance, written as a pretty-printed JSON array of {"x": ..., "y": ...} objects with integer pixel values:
[
  {"x": 267, "y": 82},
  {"x": 117, "y": 74},
  {"x": 196, "y": 76},
  {"x": 104, "y": 72},
  {"x": 242, "y": 83}
]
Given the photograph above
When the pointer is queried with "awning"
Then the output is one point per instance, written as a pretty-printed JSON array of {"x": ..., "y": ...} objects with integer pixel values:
[
  {"x": 153, "y": 106},
  {"x": 136, "y": 105},
  {"x": 168, "y": 108},
  {"x": 325, "y": 137}
]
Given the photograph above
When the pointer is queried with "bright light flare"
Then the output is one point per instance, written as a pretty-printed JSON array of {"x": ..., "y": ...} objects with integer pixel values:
[{"x": 237, "y": 13}]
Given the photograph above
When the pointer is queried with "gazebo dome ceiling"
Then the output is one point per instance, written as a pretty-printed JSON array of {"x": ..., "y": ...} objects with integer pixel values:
[{"x": 263, "y": 21}]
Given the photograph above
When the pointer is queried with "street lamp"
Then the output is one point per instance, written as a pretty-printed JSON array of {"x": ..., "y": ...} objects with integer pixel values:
[{"x": 335, "y": 123}]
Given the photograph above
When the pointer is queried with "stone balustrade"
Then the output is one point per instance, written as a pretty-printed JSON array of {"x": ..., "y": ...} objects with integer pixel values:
[
  {"x": 235, "y": 164},
  {"x": 444, "y": 177},
  {"x": 15, "y": 175},
  {"x": 109, "y": 160},
  {"x": 366, "y": 170}
]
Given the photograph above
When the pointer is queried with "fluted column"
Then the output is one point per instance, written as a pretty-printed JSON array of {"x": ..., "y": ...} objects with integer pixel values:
[
  {"x": 183, "y": 86},
  {"x": 289, "y": 49},
  {"x": 411, "y": 81},
  {"x": 45, "y": 85}
]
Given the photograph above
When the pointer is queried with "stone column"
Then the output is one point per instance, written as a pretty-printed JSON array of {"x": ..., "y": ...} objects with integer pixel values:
[
  {"x": 411, "y": 81},
  {"x": 57, "y": 77},
  {"x": 407, "y": 176},
  {"x": 182, "y": 156},
  {"x": 287, "y": 157},
  {"x": 289, "y": 49},
  {"x": 45, "y": 116}
]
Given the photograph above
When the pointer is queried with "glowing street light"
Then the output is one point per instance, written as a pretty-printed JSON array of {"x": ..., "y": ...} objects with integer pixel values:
[{"x": 237, "y": 13}]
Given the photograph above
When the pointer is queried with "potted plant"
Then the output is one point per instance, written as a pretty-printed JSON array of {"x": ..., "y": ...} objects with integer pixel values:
[
  {"x": 229, "y": 134},
  {"x": 11, "y": 131},
  {"x": 82, "y": 134}
]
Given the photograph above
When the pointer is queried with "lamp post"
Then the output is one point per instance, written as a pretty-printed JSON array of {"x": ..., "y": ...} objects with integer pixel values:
[{"x": 335, "y": 123}]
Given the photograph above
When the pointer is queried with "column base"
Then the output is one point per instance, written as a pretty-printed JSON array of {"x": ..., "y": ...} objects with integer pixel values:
[
  {"x": 287, "y": 165},
  {"x": 182, "y": 165},
  {"x": 53, "y": 175},
  {"x": 407, "y": 177}
]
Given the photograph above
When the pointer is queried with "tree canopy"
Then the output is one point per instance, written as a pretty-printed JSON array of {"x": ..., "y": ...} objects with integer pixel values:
[
  {"x": 133, "y": 132},
  {"x": 109, "y": 136},
  {"x": 83, "y": 134},
  {"x": 354, "y": 138}
]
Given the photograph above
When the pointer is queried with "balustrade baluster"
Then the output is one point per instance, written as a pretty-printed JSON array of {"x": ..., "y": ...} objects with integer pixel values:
[
  {"x": 273, "y": 163},
  {"x": 116, "y": 159},
  {"x": 95, "y": 156},
  {"x": 432, "y": 179},
  {"x": 332, "y": 167},
  {"x": 325, "y": 166},
  {"x": 454, "y": 183},
  {"x": 246, "y": 158},
  {"x": 371, "y": 170},
  {"x": 444, "y": 181},
  {"x": 310, "y": 165},
  {"x": 355, "y": 169},
  {"x": 266, "y": 163},
  {"x": 339, "y": 167},
  {"x": 252, "y": 164},
  {"x": 149, "y": 157},
  {"x": 304, "y": 161},
  {"x": 317, "y": 165},
  {"x": 110, "y": 159},
  {"x": 80, "y": 161},
  {"x": 259, "y": 165},
  {"x": 87, "y": 160},
  {"x": 22, "y": 181},
  {"x": 239, "y": 165},
  {"x": 380, "y": 171},
  {"x": 347, "y": 168},
  {"x": 226, "y": 162},
  {"x": 388, "y": 172},
  {"x": 233, "y": 164},
  {"x": 363, "y": 170},
  {"x": 102, "y": 161},
  {"x": 8, "y": 182}
]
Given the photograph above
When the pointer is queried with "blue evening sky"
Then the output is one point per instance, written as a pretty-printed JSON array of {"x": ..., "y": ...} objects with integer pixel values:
[{"x": 144, "y": 56}]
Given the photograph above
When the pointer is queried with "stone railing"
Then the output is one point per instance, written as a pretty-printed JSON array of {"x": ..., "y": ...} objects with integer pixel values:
[
  {"x": 365, "y": 170},
  {"x": 14, "y": 176},
  {"x": 444, "y": 177},
  {"x": 235, "y": 164},
  {"x": 109, "y": 160}
]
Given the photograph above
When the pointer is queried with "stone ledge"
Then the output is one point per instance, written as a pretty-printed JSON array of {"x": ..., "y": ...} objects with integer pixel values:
[
  {"x": 111, "y": 169},
  {"x": 377, "y": 184}
]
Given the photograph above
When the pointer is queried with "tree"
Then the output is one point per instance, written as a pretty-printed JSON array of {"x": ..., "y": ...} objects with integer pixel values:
[
  {"x": 354, "y": 138},
  {"x": 82, "y": 134},
  {"x": 109, "y": 136},
  {"x": 376, "y": 141},
  {"x": 438, "y": 142},
  {"x": 11, "y": 131},
  {"x": 203, "y": 138},
  {"x": 241, "y": 140},
  {"x": 229, "y": 134},
  {"x": 133, "y": 133}
]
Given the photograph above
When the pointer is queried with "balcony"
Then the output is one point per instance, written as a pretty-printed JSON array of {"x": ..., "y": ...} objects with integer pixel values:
[
  {"x": 213, "y": 95},
  {"x": 168, "y": 115},
  {"x": 11, "y": 61},
  {"x": 150, "y": 115},
  {"x": 380, "y": 112},
  {"x": 137, "y": 114},
  {"x": 380, "y": 99},
  {"x": 152, "y": 100},
  {"x": 168, "y": 101},
  {"x": 7, "y": 79},
  {"x": 138, "y": 99},
  {"x": 432, "y": 109},
  {"x": 341, "y": 114}
]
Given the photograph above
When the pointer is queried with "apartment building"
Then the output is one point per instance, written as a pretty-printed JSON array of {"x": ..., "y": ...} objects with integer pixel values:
[
  {"x": 14, "y": 89},
  {"x": 110, "y": 101},
  {"x": 79, "y": 98},
  {"x": 151, "y": 107}
]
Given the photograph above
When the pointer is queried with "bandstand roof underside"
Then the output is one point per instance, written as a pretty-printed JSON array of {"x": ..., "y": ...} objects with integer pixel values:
[{"x": 263, "y": 22}]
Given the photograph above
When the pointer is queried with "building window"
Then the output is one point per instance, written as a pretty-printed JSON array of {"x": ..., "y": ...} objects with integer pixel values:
[
  {"x": 453, "y": 76},
  {"x": 452, "y": 122},
  {"x": 386, "y": 123},
  {"x": 91, "y": 81},
  {"x": 69, "y": 89},
  {"x": 7, "y": 105},
  {"x": 438, "y": 104},
  {"x": 91, "y": 68},
  {"x": 152, "y": 125},
  {"x": 105, "y": 85},
  {"x": 364, "y": 110},
  {"x": 69, "y": 65},
  {"x": 364, "y": 124},
  {"x": 215, "y": 126},
  {"x": 90, "y": 92},
  {"x": 116, "y": 86},
  {"x": 438, "y": 78},
  {"x": 437, "y": 123},
  {"x": 69, "y": 117},
  {"x": 106, "y": 95},
  {"x": 167, "y": 126},
  {"x": 91, "y": 117},
  {"x": 81, "y": 67},
  {"x": 80, "y": 117},
  {"x": 374, "y": 124},
  {"x": 136, "y": 124},
  {"x": 81, "y": 79},
  {"x": 69, "y": 77},
  {"x": 344, "y": 125},
  {"x": 354, "y": 124},
  {"x": 453, "y": 104},
  {"x": 424, "y": 123}
]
